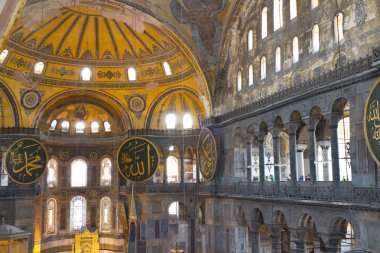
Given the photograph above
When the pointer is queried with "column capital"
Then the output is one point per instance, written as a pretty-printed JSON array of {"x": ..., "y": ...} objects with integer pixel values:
[
  {"x": 311, "y": 122},
  {"x": 333, "y": 119},
  {"x": 248, "y": 138},
  {"x": 326, "y": 144},
  {"x": 275, "y": 131},
  {"x": 301, "y": 147},
  {"x": 262, "y": 135},
  {"x": 292, "y": 127}
]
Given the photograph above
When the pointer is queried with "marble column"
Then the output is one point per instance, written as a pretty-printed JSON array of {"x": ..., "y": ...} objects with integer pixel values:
[
  {"x": 300, "y": 161},
  {"x": 248, "y": 141},
  {"x": 292, "y": 131},
  {"x": 311, "y": 123},
  {"x": 262, "y": 156},
  {"x": 276, "y": 153},
  {"x": 276, "y": 238},
  {"x": 332, "y": 242},
  {"x": 325, "y": 146},
  {"x": 182, "y": 166},
  {"x": 165, "y": 179},
  {"x": 298, "y": 240},
  {"x": 333, "y": 120}
]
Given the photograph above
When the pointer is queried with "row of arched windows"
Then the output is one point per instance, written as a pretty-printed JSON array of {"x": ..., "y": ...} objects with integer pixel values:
[
  {"x": 80, "y": 126},
  {"x": 338, "y": 32},
  {"x": 78, "y": 209},
  {"x": 79, "y": 173},
  {"x": 171, "y": 121},
  {"x": 86, "y": 73}
]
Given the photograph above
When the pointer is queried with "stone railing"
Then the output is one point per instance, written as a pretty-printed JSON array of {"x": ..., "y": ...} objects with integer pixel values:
[
  {"x": 18, "y": 131},
  {"x": 300, "y": 88},
  {"x": 253, "y": 190},
  {"x": 159, "y": 132}
]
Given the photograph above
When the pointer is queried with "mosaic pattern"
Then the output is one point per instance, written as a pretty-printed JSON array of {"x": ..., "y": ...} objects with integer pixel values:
[
  {"x": 30, "y": 99},
  {"x": 136, "y": 104}
]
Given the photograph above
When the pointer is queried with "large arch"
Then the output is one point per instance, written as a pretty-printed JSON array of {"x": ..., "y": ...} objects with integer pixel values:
[{"x": 13, "y": 104}]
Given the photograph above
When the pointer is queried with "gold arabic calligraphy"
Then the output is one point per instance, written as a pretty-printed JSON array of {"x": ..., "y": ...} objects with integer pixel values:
[
  {"x": 138, "y": 161},
  {"x": 374, "y": 117},
  {"x": 207, "y": 152}
]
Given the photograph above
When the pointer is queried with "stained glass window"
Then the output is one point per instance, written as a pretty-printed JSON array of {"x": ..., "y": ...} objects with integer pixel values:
[{"x": 78, "y": 213}]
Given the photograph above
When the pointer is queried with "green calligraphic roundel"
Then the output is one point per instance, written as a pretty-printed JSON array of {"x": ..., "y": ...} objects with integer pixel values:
[
  {"x": 25, "y": 161},
  {"x": 207, "y": 154},
  {"x": 372, "y": 122},
  {"x": 137, "y": 159}
]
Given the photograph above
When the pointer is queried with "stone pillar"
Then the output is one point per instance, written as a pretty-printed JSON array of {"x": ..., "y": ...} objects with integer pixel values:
[
  {"x": 311, "y": 123},
  {"x": 300, "y": 161},
  {"x": 202, "y": 229},
  {"x": 248, "y": 141},
  {"x": 298, "y": 240},
  {"x": 255, "y": 238},
  {"x": 333, "y": 120},
  {"x": 292, "y": 131},
  {"x": 332, "y": 242},
  {"x": 276, "y": 238},
  {"x": 276, "y": 153},
  {"x": 325, "y": 145},
  {"x": 262, "y": 156},
  {"x": 182, "y": 150},
  {"x": 165, "y": 179}
]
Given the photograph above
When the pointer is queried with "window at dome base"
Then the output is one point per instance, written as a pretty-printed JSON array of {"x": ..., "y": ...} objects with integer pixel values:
[
  {"x": 132, "y": 75},
  {"x": 187, "y": 121},
  {"x": 79, "y": 128},
  {"x": 39, "y": 68},
  {"x": 65, "y": 126},
  {"x": 167, "y": 69},
  {"x": 94, "y": 127},
  {"x": 86, "y": 74},
  {"x": 53, "y": 125},
  {"x": 3, "y": 56},
  {"x": 107, "y": 127},
  {"x": 170, "y": 121}
]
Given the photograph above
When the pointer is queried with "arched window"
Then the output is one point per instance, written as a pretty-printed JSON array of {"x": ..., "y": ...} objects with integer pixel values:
[
  {"x": 278, "y": 59},
  {"x": 132, "y": 74},
  {"x": 51, "y": 219},
  {"x": 338, "y": 27},
  {"x": 174, "y": 209},
  {"x": 167, "y": 69},
  {"x": 250, "y": 40},
  {"x": 172, "y": 169},
  {"x": 277, "y": 14},
  {"x": 170, "y": 121},
  {"x": 344, "y": 148},
  {"x": 78, "y": 173},
  {"x": 3, "y": 56},
  {"x": 187, "y": 121},
  {"x": 105, "y": 214},
  {"x": 94, "y": 127},
  {"x": 263, "y": 68},
  {"x": 105, "y": 172},
  {"x": 238, "y": 85},
  {"x": 86, "y": 74},
  {"x": 52, "y": 175},
  {"x": 53, "y": 125},
  {"x": 315, "y": 38},
  {"x": 65, "y": 126},
  {"x": 293, "y": 9},
  {"x": 250, "y": 75},
  {"x": 39, "y": 68},
  {"x": 78, "y": 213},
  {"x": 79, "y": 127},
  {"x": 107, "y": 126},
  {"x": 264, "y": 23},
  {"x": 314, "y": 3},
  {"x": 295, "y": 50}
]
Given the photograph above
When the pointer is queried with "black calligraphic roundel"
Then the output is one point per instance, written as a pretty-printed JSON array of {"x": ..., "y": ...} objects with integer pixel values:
[
  {"x": 25, "y": 161},
  {"x": 207, "y": 154},
  {"x": 372, "y": 122},
  {"x": 137, "y": 159}
]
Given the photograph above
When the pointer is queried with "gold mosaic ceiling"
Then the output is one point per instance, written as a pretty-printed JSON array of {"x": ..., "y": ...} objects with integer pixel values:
[{"x": 81, "y": 36}]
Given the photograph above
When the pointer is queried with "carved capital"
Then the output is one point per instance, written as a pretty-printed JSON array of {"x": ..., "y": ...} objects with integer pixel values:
[
  {"x": 292, "y": 127},
  {"x": 248, "y": 138},
  {"x": 333, "y": 119},
  {"x": 262, "y": 135},
  {"x": 311, "y": 122},
  {"x": 275, "y": 131}
]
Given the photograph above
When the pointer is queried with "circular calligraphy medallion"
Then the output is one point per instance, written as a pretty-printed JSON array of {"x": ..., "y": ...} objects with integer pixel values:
[
  {"x": 137, "y": 159},
  {"x": 25, "y": 161},
  {"x": 30, "y": 99},
  {"x": 207, "y": 154},
  {"x": 371, "y": 121}
]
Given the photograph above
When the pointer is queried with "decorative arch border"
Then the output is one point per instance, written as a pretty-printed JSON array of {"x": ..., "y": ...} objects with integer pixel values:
[
  {"x": 158, "y": 99},
  {"x": 12, "y": 101}
]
